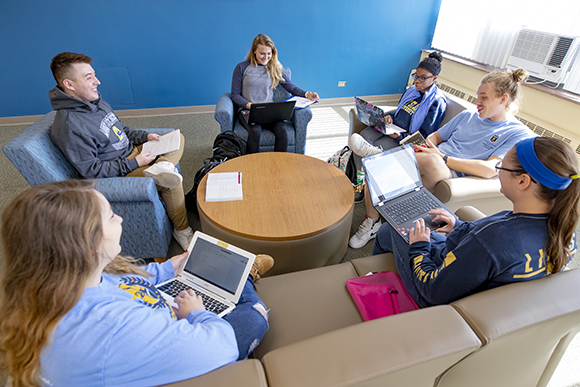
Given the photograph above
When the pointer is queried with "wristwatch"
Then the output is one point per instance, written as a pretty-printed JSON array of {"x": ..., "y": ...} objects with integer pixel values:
[{"x": 445, "y": 159}]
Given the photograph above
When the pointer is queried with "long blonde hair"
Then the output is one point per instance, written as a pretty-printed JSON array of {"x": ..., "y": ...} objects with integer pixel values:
[
  {"x": 274, "y": 67},
  {"x": 51, "y": 234}
]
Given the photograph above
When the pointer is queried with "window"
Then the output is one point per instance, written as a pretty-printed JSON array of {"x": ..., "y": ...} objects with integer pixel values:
[{"x": 486, "y": 34}]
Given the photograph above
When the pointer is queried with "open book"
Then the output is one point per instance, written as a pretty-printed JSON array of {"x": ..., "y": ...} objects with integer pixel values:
[
  {"x": 416, "y": 138},
  {"x": 224, "y": 186},
  {"x": 167, "y": 143}
]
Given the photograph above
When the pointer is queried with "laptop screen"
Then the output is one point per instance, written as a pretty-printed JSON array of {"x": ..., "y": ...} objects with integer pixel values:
[
  {"x": 369, "y": 114},
  {"x": 216, "y": 265},
  {"x": 392, "y": 173}
]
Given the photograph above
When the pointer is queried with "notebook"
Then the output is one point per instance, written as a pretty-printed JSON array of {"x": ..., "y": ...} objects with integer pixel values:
[
  {"x": 215, "y": 270},
  {"x": 397, "y": 193},
  {"x": 268, "y": 112},
  {"x": 374, "y": 116}
]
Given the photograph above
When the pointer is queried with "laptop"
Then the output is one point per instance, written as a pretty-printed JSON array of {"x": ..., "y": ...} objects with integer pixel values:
[
  {"x": 215, "y": 270},
  {"x": 374, "y": 116},
  {"x": 268, "y": 112},
  {"x": 397, "y": 193}
]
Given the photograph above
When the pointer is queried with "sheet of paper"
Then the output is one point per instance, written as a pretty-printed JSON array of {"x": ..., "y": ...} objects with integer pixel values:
[
  {"x": 395, "y": 128},
  {"x": 167, "y": 143},
  {"x": 301, "y": 102},
  {"x": 224, "y": 186}
]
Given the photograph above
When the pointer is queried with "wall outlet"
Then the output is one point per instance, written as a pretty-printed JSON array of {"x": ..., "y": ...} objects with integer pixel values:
[{"x": 341, "y": 83}]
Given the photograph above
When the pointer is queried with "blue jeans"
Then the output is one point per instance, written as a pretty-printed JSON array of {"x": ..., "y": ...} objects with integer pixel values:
[
  {"x": 388, "y": 240},
  {"x": 249, "y": 324}
]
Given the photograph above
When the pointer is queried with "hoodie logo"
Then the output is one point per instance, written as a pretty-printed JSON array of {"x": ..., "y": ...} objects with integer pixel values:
[{"x": 107, "y": 122}]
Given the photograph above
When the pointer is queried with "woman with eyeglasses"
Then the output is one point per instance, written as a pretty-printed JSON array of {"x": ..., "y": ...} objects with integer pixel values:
[
  {"x": 421, "y": 108},
  {"x": 471, "y": 143},
  {"x": 540, "y": 177}
]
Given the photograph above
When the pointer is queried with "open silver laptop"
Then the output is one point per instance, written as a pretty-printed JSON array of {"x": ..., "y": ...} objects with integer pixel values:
[
  {"x": 215, "y": 270},
  {"x": 397, "y": 193}
]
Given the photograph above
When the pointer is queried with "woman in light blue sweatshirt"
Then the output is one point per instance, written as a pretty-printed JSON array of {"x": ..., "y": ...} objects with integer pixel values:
[{"x": 76, "y": 313}]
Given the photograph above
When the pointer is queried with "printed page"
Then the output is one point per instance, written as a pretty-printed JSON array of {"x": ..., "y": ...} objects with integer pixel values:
[
  {"x": 167, "y": 143},
  {"x": 301, "y": 102},
  {"x": 225, "y": 186}
]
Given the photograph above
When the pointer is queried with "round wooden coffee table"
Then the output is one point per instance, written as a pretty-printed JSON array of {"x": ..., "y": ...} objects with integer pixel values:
[{"x": 295, "y": 207}]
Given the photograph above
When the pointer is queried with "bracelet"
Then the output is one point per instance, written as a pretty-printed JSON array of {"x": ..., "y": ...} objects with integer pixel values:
[
  {"x": 445, "y": 159},
  {"x": 306, "y": 94}
]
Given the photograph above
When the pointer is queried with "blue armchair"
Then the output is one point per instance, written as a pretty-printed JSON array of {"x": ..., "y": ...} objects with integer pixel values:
[
  {"x": 146, "y": 227},
  {"x": 226, "y": 115}
]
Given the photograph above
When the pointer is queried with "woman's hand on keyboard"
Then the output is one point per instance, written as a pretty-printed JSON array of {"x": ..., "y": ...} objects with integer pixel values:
[
  {"x": 443, "y": 216},
  {"x": 420, "y": 232},
  {"x": 186, "y": 302}
]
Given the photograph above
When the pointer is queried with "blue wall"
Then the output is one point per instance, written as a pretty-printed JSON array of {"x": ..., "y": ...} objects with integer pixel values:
[{"x": 169, "y": 53}]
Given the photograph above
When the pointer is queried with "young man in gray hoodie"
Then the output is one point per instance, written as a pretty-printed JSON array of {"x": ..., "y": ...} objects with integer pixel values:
[{"x": 98, "y": 145}]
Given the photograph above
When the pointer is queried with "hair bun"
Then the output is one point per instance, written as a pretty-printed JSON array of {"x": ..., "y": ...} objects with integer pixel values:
[
  {"x": 436, "y": 55},
  {"x": 520, "y": 75}
]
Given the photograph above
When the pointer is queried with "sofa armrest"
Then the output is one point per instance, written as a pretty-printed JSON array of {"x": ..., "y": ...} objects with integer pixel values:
[
  {"x": 127, "y": 189},
  {"x": 300, "y": 120},
  {"x": 472, "y": 187},
  {"x": 245, "y": 373},
  {"x": 469, "y": 214},
  {"x": 483, "y": 194},
  {"x": 224, "y": 112},
  {"x": 408, "y": 349}
]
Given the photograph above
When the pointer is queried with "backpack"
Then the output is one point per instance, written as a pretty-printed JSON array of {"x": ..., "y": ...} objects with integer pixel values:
[
  {"x": 344, "y": 161},
  {"x": 227, "y": 145}
]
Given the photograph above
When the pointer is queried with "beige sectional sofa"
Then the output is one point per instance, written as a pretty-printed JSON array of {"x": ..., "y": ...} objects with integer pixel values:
[
  {"x": 455, "y": 193},
  {"x": 510, "y": 336}
]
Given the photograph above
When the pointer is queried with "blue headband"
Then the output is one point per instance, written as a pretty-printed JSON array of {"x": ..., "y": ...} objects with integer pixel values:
[{"x": 534, "y": 167}]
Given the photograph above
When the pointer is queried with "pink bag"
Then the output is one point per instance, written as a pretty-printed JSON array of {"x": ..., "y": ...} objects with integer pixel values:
[{"x": 380, "y": 295}]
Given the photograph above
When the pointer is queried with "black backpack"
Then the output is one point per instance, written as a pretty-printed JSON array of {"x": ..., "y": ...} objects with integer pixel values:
[{"x": 226, "y": 145}]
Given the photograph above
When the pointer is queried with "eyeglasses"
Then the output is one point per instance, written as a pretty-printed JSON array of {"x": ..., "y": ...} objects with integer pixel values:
[
  {"x": 498, "y": 168},
  {"x": 420, "y": 79}
]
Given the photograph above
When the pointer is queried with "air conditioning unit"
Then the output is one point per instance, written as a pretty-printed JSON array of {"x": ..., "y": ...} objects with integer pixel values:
[{"x": 546, "y": 56}]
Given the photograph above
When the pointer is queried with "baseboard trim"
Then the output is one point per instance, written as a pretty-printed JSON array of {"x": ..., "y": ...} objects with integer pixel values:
[{"x": 170, "y": 111}]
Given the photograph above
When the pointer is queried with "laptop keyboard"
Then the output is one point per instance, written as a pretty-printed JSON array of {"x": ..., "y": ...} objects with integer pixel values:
[
  {"x": 211, "y": 304},
  {"x": 409, "y": 208}
]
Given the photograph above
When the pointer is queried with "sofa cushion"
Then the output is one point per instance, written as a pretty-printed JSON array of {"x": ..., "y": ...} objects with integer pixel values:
[
  {"x": 306, "y": 304},
  {"x": 408, "y": 349}
]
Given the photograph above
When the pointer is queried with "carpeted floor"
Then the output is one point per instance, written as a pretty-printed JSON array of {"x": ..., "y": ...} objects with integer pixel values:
[{"x": 327, "y": 133}]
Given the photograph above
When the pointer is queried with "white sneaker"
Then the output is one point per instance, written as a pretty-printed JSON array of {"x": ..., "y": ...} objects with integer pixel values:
[
  {"x": 366, "y": 231},
  {"x": 183, "y": 237},
  {"x": 165, "y": 174},
  {"x": 362, "y": 147}
]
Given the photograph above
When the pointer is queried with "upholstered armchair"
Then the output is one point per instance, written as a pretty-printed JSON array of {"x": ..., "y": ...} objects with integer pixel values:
[
  {"x": 226, "y": 115},
  {"x": 146, "y": 227}
]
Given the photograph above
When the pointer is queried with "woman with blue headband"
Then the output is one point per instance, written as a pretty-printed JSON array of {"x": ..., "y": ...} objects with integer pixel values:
[{"x": 540, "y": 177}]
